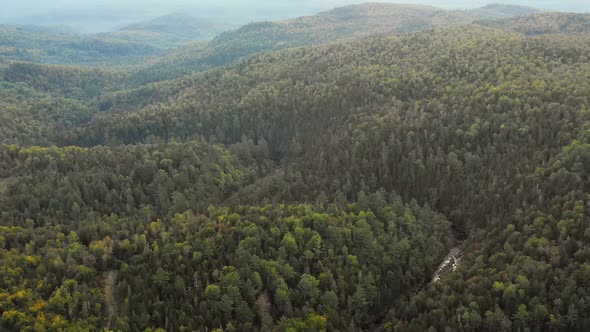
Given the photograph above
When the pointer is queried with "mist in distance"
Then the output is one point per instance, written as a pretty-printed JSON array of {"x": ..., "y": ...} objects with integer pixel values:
[{"x": 103, "y": 15}]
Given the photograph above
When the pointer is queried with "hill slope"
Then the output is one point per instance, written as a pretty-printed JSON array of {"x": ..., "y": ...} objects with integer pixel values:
[
  {"x": 137, "y": 42},
  {"x": 169, "y": 31},
  {"x": 545, "y": 23},
  {"x": 347, "y": 22},
  {"x": 488, "y": 127},
  {"x": 500, "y": 11},
  {"x": 307, "y": 189},
  {"x": 25, "y": 44}
]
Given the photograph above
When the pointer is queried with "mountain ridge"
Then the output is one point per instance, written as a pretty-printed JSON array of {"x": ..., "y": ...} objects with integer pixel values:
[
  {"x": 544, "y": 23},
  {"x": 171, "y": 30},
  {"x": 353, "y": 21}
]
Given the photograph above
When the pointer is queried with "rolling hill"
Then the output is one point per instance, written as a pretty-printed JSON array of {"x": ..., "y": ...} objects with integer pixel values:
[
  {"x": 348, "y": 22},
  {"x": 308, "y": 187},
  {"x": 357, "y": 21},
  {"x": 501, "y": 11},
  {"x": 545, "y": 23},
  {"x": 305, "y": 182},
  {"x": 127, "y": 46},
  {"x": 169, "y": 31},
  {"x": 145, "y": 41},
  {"x": 26, "y": 44}
]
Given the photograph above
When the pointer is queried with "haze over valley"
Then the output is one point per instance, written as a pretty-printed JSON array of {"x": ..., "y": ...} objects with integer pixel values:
[{"x": 108, "y": 15}]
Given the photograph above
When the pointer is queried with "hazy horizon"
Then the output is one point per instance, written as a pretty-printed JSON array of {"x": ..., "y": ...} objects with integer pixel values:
[{"x": 103, "y": 15}]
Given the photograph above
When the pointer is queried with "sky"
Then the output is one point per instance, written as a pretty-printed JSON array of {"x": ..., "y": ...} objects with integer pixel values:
[{"x": 96, "y": 15}]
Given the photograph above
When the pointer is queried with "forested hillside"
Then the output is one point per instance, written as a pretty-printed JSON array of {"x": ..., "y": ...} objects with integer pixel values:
[
  {"x": 170, "y": 31},
  {"x": 499, "y": 11},
  {"x": 314, "y": 188},
  {"x": 39, "y": 102},
  {"x": 127, "y": 46},
  {"x": 348, "y": 22},
  {"x": 175, "y": 45},
  {"x": 545, "y": 23},
  {"x": 23, "y": 44}
]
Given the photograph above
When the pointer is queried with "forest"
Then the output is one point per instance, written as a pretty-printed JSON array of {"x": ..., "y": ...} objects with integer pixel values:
[{"x": 304, "y": 175}]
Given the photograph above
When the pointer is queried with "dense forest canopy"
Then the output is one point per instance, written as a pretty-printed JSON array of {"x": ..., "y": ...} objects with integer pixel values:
[
  {"x": 355, "y": 21},
  {"x": 545, "y": 23},
  {"x": 154, "y": 40},
  {"x": 125, "y": 46},
  {"x": 303, "y": 175}
]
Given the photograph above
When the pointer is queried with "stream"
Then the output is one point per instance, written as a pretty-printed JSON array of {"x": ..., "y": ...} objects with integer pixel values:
[{"x": 450, "y": 263}]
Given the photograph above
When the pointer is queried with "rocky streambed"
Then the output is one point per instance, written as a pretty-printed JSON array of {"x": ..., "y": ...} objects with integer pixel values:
[{"x": 449, "y": 264}]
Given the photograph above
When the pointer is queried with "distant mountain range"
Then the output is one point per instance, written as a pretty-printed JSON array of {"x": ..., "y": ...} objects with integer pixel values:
[
  {"x": 57, "y": 47},
  {"x": 134, "y": 43},
  {"x": 127, "y": 45},
  {"x": 353, "y": 21},
  {"x": 169, "y": 31}
]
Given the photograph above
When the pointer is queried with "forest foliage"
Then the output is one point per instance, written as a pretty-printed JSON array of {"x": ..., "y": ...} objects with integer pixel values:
[
  {"x": 350, "y": 22},
  {"x": 306, "y": 189}
]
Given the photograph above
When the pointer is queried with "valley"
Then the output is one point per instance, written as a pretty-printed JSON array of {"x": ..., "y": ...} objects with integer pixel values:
[{"x": 375, "y": 167}]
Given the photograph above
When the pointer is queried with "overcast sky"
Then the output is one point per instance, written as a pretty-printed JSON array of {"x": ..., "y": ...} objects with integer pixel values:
[{"x": 80, "y": 12}]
